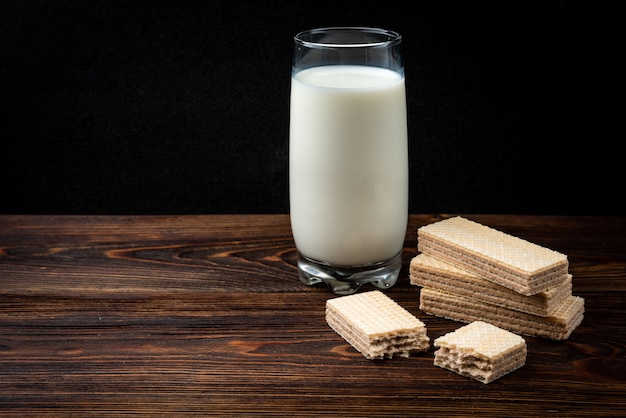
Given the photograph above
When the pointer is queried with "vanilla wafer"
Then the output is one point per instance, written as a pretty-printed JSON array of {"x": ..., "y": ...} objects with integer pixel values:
[
  {"x": 376, "y": 326},
  {"x": 509, "y": 261},
  {"x": 558, "y": 326},
  {"x": 481, "y": 351},
  {"x": 428, "y": 271}
]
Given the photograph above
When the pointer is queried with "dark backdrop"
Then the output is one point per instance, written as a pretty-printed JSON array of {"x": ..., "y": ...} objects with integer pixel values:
[{"x": 123, "y": 107}]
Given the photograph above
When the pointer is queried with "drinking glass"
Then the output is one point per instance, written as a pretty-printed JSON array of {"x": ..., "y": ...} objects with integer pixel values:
[{"x": 348, "y": 157}]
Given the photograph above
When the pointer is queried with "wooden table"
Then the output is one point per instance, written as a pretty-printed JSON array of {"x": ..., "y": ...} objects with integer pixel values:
[{"x": 184, "y": 315}]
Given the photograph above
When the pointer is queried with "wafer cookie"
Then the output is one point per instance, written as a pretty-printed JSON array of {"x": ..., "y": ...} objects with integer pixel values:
[
  {"x": 559, "y": 326},
  {"x": 376, "y": 326},
  {"x": 504, "y": 259},
  {"x": 428, "y": 271},
  {"x": 481, "y": 351}
]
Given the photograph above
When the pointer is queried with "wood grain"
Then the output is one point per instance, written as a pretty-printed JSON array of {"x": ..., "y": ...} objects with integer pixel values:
[{"x": 204, "y": 315}]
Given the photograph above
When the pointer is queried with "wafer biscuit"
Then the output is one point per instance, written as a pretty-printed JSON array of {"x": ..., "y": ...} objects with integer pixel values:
[
  {"x": 481, "y": 351},
  {"x": 509, "y": 261},
  {"x": 559, "y": 326},
  {"x": 376, "y": 326},
  {"x": 428, "y": 271}
]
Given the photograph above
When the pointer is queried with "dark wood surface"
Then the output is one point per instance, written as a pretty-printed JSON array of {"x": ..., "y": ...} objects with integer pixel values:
[{"x": 184, "y": 315}]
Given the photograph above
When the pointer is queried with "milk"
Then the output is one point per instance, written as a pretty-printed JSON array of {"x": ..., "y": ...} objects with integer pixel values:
[{"x": 348, "y": 164}]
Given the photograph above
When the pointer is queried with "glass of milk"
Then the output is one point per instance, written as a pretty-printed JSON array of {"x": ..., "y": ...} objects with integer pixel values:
[{"x": 348, "y": 157}]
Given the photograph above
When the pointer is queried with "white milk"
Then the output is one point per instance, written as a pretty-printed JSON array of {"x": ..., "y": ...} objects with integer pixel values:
[{"x": 348, "y": 164}]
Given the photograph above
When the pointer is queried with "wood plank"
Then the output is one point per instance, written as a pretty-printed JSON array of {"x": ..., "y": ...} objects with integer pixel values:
[{"x": 187, "y": 315}]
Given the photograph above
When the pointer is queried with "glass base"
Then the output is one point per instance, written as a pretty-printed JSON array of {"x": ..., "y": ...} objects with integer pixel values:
[{"x": 347, "y": 280}]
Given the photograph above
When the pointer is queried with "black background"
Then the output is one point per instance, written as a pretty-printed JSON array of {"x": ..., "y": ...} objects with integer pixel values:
[{"x": 155, "y": 107}]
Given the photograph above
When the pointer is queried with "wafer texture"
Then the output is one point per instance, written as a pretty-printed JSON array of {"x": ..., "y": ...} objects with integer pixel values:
[
  {"x": 376, "y": 326},
  {"x": 559, "y": 326},
  {"x": 428, "y": 271},
  {"x": 509, "y": 261},
  {"x": 481, "y": 351}
]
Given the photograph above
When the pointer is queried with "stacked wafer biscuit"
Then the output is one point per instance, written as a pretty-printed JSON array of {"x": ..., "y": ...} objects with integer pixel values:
[
  {"x": 376, "y": 326},
  {"x": 470, "y": 272}
]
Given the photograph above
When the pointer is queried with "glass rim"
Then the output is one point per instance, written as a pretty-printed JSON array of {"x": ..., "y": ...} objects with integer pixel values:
[{"x": 393, "y": 37}]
